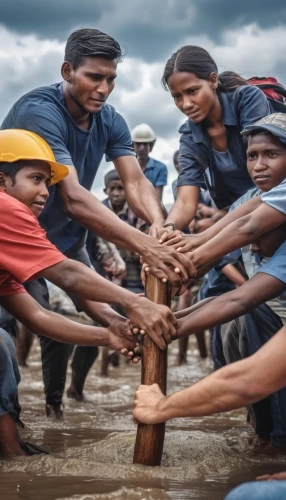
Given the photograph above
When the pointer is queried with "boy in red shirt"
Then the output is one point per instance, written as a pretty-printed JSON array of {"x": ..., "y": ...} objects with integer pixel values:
[{"x": 27, "y": 168}]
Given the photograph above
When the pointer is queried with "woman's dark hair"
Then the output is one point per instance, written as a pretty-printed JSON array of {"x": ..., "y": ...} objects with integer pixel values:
[
  {"x": 11, "y": 169},
  {"x": 193, "y": 59},
  {"x": 87, "y": 42},
  {"x": 229, "y": 80}
]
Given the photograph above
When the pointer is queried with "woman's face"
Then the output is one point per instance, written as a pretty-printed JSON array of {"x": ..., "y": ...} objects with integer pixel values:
[{"x": 193, "y": 96}]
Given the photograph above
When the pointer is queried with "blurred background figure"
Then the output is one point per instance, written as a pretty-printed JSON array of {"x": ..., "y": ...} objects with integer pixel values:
[{"x": 143, "y": 138}]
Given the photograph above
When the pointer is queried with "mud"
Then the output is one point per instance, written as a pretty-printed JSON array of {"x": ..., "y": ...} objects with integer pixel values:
[{"x": 91, "y": 451}]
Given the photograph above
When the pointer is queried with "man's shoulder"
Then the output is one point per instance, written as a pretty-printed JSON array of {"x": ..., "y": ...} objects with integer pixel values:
[
  {"x": 41, "y": 101},
  {"x": 48, "y": 93}
]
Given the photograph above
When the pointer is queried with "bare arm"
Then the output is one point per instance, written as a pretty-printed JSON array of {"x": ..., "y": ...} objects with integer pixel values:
[
  {"x": 239, "y": 233},
  {"x": 238, "y": 384},
  {"x": 189, "y": 243},
  {"x": 159, "y": 191},
  {"x": 230, "y": 305},
  {"x": 140, "y": 194},
  {"x": 185, "y": 206},
  {"x": 74, "y": 277},
  {"x": 191, "y": 309},
  {"x": 82, "y": 206},
  {"x": 43, "y": 322}
]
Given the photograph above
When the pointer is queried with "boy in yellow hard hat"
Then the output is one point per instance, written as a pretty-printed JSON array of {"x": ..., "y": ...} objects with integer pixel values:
[{"x": 27, "y": 169}]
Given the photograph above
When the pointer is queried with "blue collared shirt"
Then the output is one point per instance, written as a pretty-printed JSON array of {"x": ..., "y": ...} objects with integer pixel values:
[
  {"x": 156, "y": 172},
  {"x": 43, "y": 111},
  {"x": 276, "y": 266},
  {"x": 241, "y": 107}
]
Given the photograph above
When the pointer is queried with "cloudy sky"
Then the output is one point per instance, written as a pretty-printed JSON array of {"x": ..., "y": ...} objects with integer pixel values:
[{"x": 246, "y": 36}]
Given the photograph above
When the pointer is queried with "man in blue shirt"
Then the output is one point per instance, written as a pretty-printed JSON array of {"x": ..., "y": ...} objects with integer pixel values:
[
  {"x": 144, "y": 138},
  {"x": 80, "y": 127}
]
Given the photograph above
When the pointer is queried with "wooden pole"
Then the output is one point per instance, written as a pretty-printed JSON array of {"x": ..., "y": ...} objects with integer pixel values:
[{"x": 150, "y": 438}]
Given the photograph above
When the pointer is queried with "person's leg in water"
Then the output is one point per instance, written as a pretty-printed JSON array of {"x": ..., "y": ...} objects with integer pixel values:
[
  {"x": 235, "y": 348},
  {"x": 55, "y": 356},
  {"x": 22, "y": 337},
  {"x": 24, "y": 342},
  {"x": 10, "y": 445},
  {"x": 82, "y": 362},
  {"x": 83, "y": 356},
  {"x": 188, "y": 298},
  {"x": 241, "y": 338}
]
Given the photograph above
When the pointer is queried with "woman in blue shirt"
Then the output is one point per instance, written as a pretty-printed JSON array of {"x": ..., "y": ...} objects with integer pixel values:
[{"x": 212, "y": 155}]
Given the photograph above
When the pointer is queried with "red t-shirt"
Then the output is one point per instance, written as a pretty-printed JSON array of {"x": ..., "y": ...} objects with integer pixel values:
[{"x": 24, "y": 248}]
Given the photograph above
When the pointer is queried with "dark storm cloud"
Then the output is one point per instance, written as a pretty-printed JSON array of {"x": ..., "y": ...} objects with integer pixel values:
[{"x": 150, "y": 30}]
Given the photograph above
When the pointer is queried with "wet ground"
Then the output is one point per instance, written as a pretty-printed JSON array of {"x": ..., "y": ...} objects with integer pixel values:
[{"x": 91, "y": 451}]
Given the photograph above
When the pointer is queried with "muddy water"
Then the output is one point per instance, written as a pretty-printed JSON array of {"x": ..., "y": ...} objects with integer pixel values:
[{"x": 91, "y": 451}]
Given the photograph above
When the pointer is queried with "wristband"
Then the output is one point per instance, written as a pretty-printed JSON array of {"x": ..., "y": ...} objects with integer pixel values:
[{"x": 170, "y": 224}]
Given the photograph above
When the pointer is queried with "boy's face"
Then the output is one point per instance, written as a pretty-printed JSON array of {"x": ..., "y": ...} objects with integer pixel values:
[
  {"x": 266, "y": 161},
  {"x": 31, "y": 185},
  {"x": 115, "y": 193},
  {"x": 142, "y": 150},
  {"x": 268, "y": 243}
]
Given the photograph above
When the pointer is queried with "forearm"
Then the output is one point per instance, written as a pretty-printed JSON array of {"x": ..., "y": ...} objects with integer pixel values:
[
  {"x": 83, "y": 207},
  {"x": 59, "y": 328},
  {"x": 53, "y": 325},
  {"x": 224, "y": 390},
  {"x": 184, "y": 208},
  {"x": 99, "y": 312},
  {"x": 230, "y": 305},
  {"x": 191, "y": 309},
  {"x": 78, "y": 279},
  {"x": 237, "y": 213},
  {"x": 238, "y": 384},
  {"x": 144, "y": 201},
  {"x": 140, "y": 194},
  {"x": 238, "y": 234}
]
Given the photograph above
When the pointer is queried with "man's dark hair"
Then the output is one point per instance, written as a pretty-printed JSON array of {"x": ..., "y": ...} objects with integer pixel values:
[
  {"x": 11, "y": 169},
  {"x": 112, "y": 175},
  {"x": 87, "y": 42}
]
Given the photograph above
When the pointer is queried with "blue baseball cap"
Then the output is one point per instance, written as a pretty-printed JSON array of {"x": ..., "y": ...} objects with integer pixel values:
[{"x": 275, "y": 124}]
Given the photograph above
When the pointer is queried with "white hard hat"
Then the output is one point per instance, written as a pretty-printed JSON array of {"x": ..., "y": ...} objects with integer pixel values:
[{"x": 143, "y": 133}]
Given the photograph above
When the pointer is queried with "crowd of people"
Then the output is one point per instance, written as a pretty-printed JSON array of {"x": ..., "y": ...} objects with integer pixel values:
[{"x": 220, "y": 247}]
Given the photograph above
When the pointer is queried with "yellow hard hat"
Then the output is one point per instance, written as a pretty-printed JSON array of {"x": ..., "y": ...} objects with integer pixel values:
[{"x": 17, "y": 144}]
